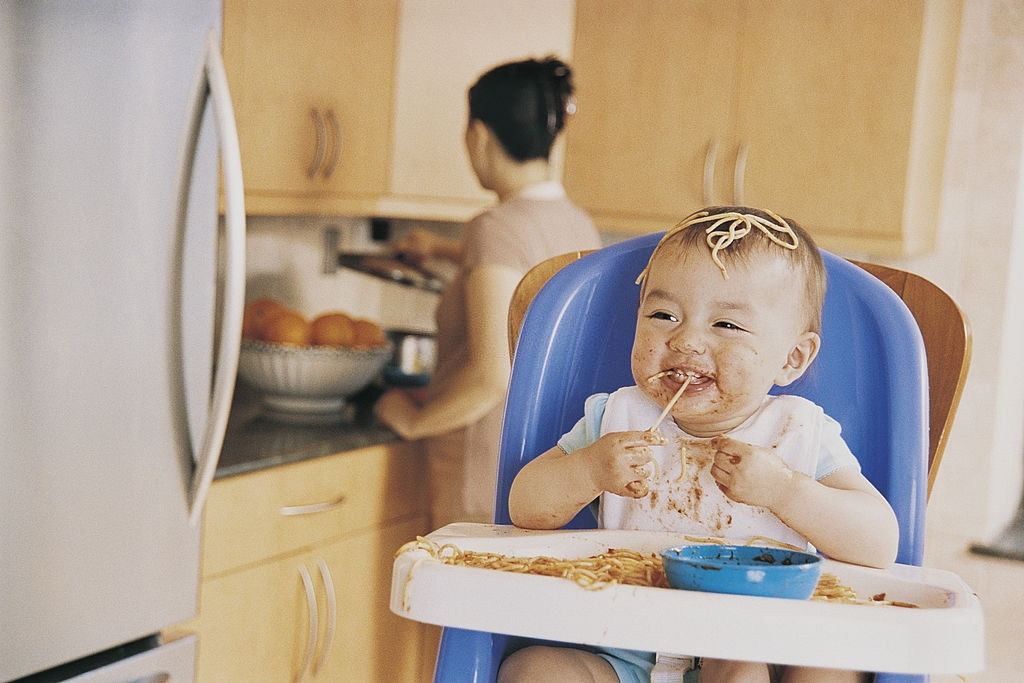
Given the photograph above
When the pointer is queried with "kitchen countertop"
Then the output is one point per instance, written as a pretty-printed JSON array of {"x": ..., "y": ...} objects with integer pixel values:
[{"x": 255, "y": 439}]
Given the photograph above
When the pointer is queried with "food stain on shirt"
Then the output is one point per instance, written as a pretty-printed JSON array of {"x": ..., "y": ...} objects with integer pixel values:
[{"x": 689, "y": 489}]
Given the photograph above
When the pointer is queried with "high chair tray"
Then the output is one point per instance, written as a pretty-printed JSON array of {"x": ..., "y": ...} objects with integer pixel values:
[{"x": 943, "y": 634}]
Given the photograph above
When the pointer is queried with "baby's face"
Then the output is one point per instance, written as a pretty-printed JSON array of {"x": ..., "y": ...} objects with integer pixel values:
[{"x": 734, "y": 338}]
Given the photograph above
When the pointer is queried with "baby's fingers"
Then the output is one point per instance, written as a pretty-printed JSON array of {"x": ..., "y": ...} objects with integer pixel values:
[
  {"x": 638, "y": 488},
  {"x": 646, "y": 470},
  {"x": 630, "y": 462},
  {"x": 638, "y": 444}
]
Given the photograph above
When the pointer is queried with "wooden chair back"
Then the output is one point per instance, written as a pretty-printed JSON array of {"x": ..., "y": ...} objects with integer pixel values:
[
  {"x": 944, "y": 329},
  {"x": 947, "y": 342}
]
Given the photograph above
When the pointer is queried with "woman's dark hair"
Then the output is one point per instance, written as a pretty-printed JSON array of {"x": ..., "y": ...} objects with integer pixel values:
[{"x": 525, "y": 103}]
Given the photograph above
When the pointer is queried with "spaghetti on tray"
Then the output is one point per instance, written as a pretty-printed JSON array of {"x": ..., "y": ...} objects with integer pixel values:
[{"x": 616, "y": 566}]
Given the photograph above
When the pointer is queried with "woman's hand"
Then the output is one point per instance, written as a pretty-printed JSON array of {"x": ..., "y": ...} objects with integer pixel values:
[
  {"x": 420, "y": 245},
  {"x": 417, "y": 245},
  {"x": 397, "y": 410}
]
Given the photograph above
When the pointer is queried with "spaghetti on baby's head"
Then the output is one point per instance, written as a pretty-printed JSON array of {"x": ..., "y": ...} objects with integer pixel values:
[{"x": 736, "y": 233}]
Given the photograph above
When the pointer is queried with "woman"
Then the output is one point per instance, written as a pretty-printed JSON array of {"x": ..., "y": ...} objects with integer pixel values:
[{"x": 516, "y": 111}]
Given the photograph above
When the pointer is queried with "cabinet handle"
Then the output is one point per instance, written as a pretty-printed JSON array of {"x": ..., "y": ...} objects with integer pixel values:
[
  {"x": 307, "y": 583},
  {"x": 332, "y": 121},
  {"x": 312, "y": 508},
  {"x": 332, "y": 614},
  {"x": 709, "y": 171},
  {"x": 321, "y": 142},
  {"x": 739, "y": 173}
]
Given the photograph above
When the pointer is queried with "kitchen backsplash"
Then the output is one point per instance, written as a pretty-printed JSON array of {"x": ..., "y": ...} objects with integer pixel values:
[{"x": 285, "y": 260}]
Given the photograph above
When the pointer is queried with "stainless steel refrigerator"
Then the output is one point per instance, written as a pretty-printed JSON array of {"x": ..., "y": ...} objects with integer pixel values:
[{"x": 120, "y": 315}]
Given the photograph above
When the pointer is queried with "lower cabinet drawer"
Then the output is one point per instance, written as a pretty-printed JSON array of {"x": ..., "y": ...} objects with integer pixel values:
[{"x": 284, "y": 509}]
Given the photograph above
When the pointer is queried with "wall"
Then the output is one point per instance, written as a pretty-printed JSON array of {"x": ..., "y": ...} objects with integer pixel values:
[
  {"x": 980, "y": 262},
  {"x": 285, "y": 261}
]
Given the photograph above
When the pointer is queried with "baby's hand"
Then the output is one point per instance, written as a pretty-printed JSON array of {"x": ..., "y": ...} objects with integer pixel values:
[
  {"x": 621, "y": 462},
  {"x": 749, "y": 474}
]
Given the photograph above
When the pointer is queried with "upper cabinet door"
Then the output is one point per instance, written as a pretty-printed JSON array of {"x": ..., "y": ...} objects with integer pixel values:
[
  {"x": 833, "y": 113},
  {"x": 313, "y": 83},
  {"x": 655, "y": 84},
  {"x": 359, "y": 106},
  {"x": 843, "y": 114}
]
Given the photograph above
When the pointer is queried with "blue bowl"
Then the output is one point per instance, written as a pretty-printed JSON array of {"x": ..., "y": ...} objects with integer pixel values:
[{"x": 742, "y": 570}]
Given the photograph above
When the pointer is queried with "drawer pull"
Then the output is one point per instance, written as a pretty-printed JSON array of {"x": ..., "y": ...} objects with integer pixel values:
[
  {"x": 332, "y": 163},
  {"x": 739, "y": 173},
  {"x": 709, "y": 171},
  {"x": 321, "y": 143},
  {"x": 312, "y": 508},
  {"x": 332, "y": 614},
  {"x": 313, "y": 628}
]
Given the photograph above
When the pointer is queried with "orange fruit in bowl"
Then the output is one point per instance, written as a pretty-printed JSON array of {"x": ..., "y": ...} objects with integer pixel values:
[
  {"x": 368, "y": 334},
  {"x": 287, "y": 327},
  {"x": 256, "y": 315},
  {"x": 333, "y": 329}
]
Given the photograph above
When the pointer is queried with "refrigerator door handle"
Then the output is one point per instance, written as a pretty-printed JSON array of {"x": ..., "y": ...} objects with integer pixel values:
[{"x": 211, "y": 83}]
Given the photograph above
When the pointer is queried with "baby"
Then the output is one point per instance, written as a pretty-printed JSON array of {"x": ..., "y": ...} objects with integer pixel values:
[{"x": 730, "y": 306}]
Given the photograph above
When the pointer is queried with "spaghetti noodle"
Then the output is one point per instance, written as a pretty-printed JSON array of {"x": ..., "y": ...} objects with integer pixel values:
[
  {"x": 616, "y": 566},
  {"x": 729, "y": 227}
]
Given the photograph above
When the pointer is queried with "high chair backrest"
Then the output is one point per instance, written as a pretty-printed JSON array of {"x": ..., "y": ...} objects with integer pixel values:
[
  {"x": 870, "y": 375},
  {"x": 947, "y": 343},
  {"x": 944, "y": 327},
  {"x": 575, "y": 341}
]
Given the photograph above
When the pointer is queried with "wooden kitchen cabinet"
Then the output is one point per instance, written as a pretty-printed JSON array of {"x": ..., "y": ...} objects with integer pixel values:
[
  {"x": 393, "y": 75},
  {"x": 651, "y": 98},
  {"x": 444, "y": 48},
  {"x": 255, "y": 623},
  {"x": 312, "y": 86},
  {"x": 833, "y": 113},
  {"x": 312, "y": 542}
]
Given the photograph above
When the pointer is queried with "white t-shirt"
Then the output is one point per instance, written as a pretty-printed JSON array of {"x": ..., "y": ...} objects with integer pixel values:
[{"x": 686, "y": 499}]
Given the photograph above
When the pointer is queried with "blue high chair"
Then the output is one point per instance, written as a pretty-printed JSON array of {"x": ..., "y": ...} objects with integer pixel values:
[{"x": 576, "y": 339}]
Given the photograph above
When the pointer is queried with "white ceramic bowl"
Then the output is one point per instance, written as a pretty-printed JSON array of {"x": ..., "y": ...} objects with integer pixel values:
[{"x": 309, "y": 379}]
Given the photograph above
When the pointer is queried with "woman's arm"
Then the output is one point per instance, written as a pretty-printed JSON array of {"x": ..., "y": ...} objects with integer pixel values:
[{"x": 479, "y": 386}]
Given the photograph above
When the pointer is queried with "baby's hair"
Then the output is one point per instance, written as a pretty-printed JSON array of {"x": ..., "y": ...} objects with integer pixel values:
[
  {"x": 525, "y": 103},
  {"x": 739, "y": 232}
]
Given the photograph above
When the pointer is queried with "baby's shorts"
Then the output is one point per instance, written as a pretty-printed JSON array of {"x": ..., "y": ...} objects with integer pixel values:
[
  {"x": 631, "y": 666},
  {"x": 636, "y": 666}
]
